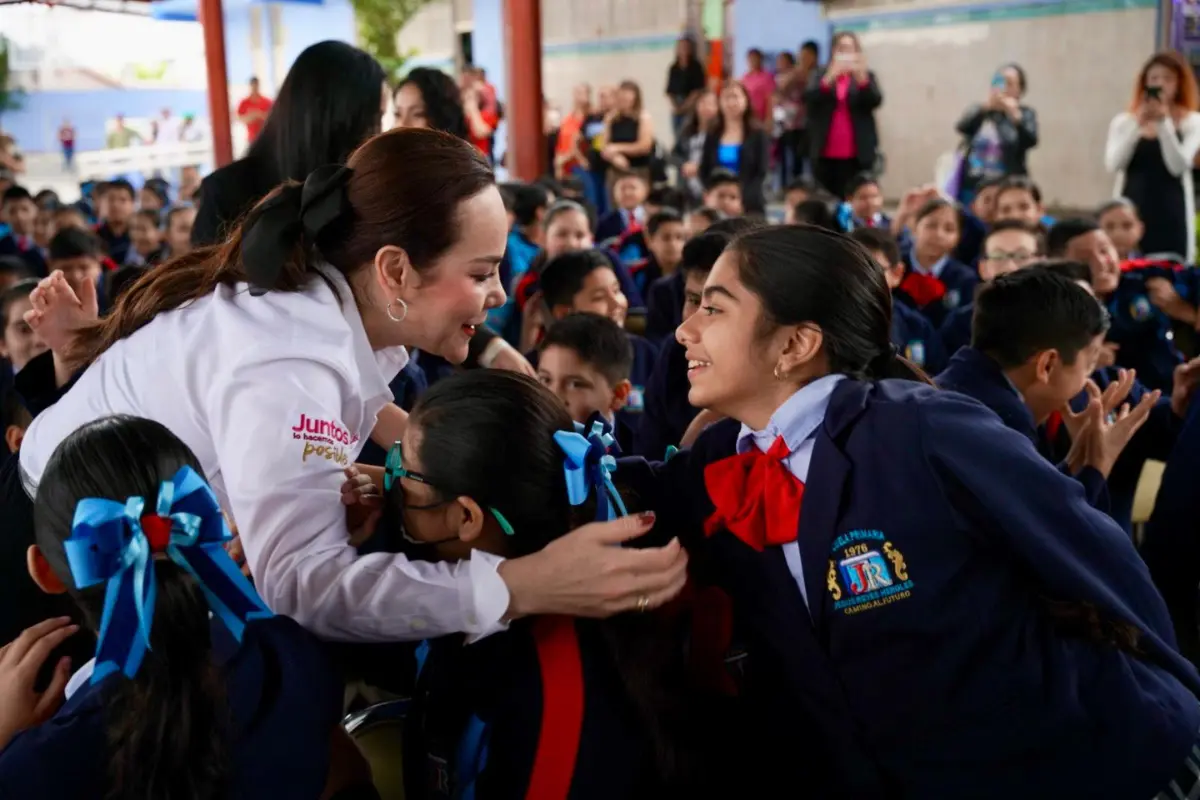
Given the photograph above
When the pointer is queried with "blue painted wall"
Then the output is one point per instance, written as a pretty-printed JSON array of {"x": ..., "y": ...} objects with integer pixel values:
[{"x": 775, "y": 25}]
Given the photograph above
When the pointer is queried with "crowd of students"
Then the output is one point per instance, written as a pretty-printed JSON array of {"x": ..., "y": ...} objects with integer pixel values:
[{"x": 900, "y": 451}]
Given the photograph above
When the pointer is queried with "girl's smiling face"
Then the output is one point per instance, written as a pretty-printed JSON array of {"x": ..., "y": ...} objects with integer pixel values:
[
  {"x": 569, "y": 230},
  {"x": 730, "y": 359},
  {"x": 936, "y": 235}
]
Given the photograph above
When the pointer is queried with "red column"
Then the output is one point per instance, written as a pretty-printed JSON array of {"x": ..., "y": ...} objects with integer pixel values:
[
  {"x": 526, "y": 139},
  {"x": 212, "y": 20}
]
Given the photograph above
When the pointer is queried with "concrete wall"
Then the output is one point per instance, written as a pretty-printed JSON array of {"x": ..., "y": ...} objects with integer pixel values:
[{"x": 1081, "y": 58}]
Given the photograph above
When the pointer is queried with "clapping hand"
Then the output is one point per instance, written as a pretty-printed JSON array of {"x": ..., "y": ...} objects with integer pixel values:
[
  {"x": 1110, "y": 399},
  {"x": 1103, "y": 437}
]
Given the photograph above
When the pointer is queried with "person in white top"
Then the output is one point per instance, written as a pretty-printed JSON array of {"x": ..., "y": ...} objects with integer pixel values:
[
  {"x": 1151, "y": 148},
  {"x": 270, "y": 357}
]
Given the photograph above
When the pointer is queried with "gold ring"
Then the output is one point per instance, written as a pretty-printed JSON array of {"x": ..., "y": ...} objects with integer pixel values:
[{"x": 643, "y": 604}]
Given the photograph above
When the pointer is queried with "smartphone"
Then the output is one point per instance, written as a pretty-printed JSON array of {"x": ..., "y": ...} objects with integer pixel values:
[
  {"x": 1154, "y": 92},
  {"x": 844, "y": 58},
  {"x": 998, "y": 83}
]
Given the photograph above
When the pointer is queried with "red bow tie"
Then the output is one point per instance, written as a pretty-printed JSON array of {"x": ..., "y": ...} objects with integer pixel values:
[
  {"x": 1053, "y": 424},
  {"x": 757, "y": 498},
  {"x": 923, "y": 289}
]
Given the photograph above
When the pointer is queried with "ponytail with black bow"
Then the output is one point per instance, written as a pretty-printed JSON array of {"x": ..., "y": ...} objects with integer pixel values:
[{"x": 400, "y": 188}]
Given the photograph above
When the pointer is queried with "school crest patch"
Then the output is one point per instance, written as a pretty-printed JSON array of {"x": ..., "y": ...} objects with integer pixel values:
[
  {"x": 952, "y": 299},
  {"x": 866, "y": 571},
  {"x": 637, "y": 399},
  {"x": 914, "y": 351},
  {"x": 1140, "y": 308}
]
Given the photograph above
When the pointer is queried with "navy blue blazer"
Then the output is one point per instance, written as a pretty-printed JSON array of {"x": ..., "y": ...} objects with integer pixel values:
[
  {"x": 956, "y": 329},
  {"x": 960, "y": 281},
  {"x": 32, "y": 256},
  {"x": 929, "y": 660},
  {"x": 667, "y": 411},
  {"x": 971, "y": 240},
  {"x": 977, "y": 376},
  {"x": 916, "y": 339},
  {"x": 1143, "y": 332},
  {"x": 664, "y": 307},
  {"x": 1171, "y": 547},
  {"x": 407, "y": 387},
  {"x": 611, "y": 225},
  {"x": 284, "y": 696}
]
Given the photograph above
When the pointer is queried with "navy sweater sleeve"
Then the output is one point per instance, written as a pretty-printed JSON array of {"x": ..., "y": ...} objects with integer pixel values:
[{"x": 1044, "y": 521}]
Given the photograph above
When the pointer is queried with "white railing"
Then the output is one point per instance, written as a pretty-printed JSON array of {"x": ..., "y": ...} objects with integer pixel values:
[{"x": 146, "y": 159}]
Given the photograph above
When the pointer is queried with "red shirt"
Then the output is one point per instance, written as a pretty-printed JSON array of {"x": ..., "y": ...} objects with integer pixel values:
[
  {"x": 253, "y": 103},
  {"x": 491, "y": 119}
]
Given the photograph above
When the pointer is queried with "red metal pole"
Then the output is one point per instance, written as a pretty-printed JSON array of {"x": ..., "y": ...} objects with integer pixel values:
[
  {"x": 526, "y": 138},
  {"x": 212, "y": 20}
]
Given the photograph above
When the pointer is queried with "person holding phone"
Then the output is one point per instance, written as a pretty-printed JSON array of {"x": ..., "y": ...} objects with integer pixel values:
[
  {"x": 997, "y": 133},
  {"x": 1151, "y": 147},
  {"x": 841, "y": 103}
]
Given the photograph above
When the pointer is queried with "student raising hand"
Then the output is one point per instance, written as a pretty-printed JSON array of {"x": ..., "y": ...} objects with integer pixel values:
[
  {"x": 1105, "y": 435},
  {"x": 20, "y": 660}
]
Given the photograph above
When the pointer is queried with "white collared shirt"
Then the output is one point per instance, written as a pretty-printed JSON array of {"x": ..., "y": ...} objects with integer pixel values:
[
  {"x": 797, "y": 421},
  {"x": 276, "y": 395},
  {"x": 935, "y": 270}
]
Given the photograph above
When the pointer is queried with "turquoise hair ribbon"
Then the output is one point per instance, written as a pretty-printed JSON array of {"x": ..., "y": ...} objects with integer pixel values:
[
  {"x": 115, "y": 543},
  {"x": 587, "y": 464}
]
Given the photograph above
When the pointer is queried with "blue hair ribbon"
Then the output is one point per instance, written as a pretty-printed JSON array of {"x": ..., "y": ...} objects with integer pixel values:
[
  {"x": 587, "y": 464},
  {"x": 115, "y": 543}
]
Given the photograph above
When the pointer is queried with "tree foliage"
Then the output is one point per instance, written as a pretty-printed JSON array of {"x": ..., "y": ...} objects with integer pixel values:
[{"x": 379, "y": 23}]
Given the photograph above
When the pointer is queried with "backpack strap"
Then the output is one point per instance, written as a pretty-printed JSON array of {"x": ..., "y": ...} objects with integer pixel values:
[{"x": 562, "y": 708}]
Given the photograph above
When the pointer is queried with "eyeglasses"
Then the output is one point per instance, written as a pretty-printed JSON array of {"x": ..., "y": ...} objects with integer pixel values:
[
  {"x": 1020, "y": 255},
  {"x": 393, "y": 470}
]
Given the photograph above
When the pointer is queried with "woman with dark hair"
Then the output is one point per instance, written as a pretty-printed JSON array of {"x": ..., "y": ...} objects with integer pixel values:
[
  {"x": 331, "y": 101},
  {"x": 196, "y": 690},
  {"x": 685, "y": 81},
  {"x": 294, "y": 329},
  {"x": 841, "y": 103},
  {"x": 689, "y": 143},
  {"x": 429, "y": 98},
  {"x": 1151, "y": 148},
  {"x": 901, "y": 561},
  {"x": 997, "y": 134},
  {"x": 737, "y": 143},
  {"x": 628, "y": 134}
]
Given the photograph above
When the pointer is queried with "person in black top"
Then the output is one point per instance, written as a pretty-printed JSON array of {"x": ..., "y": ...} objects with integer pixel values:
[
  {"x": 629, "y": 132},
  {"x": 997, "y": 134},
  {"x": 685, "y": 82}
]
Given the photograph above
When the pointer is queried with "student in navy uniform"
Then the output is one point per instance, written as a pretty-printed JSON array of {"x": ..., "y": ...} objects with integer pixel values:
[
  {"x": 524, "y": 243},
  {"x": 556, "y": 707},
  {"x": 629, "y": 191},
  {"x": 922, "y": 519},
  {"x": 1008, "y": 246},
  {"x": 912, "y": 334},
  {"x": 584, "y": 280},
  {"x": 1037, "y": 337},
  {"x": 250, "y": 701},
  {"x": 934, "y": 283},
  {"x": 585, "y": 360},
  {"x": 723, "y": 191},
  {"x": 1171, "y": 548},
  {"x": 976, "y": 221},
  {"x": 18, "y": 343},
  {"x": 20, "y": 211},
  {"x": 665, "y": 235},
  {"x": 1119, "y": 219},
  {"x": 665, "y": 296},
  {"x": 1019, "y": 198},
  {"x": 115, "y": 201},
  {"x": 1140, "y": 333},
  {"x": 668, "y": 412},
  {"x": 863, "y": 207},
  {"x": 1155, "y": 439}
]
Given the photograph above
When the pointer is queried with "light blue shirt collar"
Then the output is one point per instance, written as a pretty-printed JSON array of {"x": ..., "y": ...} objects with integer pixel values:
[
  {"x": 796, "y": 420},
  {"x": 935, "y": 270}
]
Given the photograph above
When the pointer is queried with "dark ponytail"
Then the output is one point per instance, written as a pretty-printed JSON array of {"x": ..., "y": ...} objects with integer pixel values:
[
  {"x": 167, "y": 727},
  {"x": 804, "y": 273},
  {"x": 401, "y": 188}
]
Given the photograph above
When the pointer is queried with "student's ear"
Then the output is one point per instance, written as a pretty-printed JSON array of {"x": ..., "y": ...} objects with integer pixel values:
[
  {"x": 560, "y": 311},
  {"x": 894, "y": 275},
  {"x": 393, "y": 270},
  {"x": 802, "y": 347},
  {"x": 41, "y": 573},
  {"x": 466, "y": 518},
  {"x": 1044, "y": 363},
  {"x": 620, "y": 395},
  {"x": 13, "y": 435}
]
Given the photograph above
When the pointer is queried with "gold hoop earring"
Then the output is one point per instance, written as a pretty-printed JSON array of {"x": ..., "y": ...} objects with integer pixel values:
[
  {"x": 403, "y": 313},
  {"x": 777, "y": 374}
]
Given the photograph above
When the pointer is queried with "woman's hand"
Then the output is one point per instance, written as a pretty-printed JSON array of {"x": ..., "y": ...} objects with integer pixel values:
[
  {"x": 364, "y": 504},
  {"x": 58, "y": 312},
  {"x": 1011, "y": 106},
  {"x": 20, "y": 660},
  {"x": 588, "y": 573},
  {"x": 859, "y": 65}
]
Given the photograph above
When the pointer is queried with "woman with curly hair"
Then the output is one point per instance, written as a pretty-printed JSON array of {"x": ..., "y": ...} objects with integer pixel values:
[{"x": 429, "y": 98}]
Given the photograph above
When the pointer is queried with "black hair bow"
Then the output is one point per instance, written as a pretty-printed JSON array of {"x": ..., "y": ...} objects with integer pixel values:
[{"x": 294, "y": 214}]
